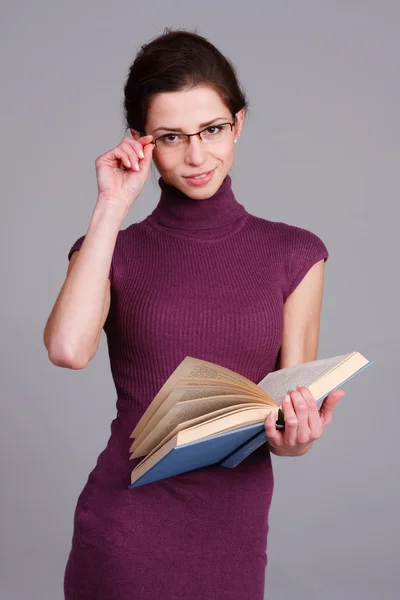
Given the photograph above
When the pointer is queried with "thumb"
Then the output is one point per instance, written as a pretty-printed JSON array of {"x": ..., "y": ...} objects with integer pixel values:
[
  {"x": 328, "y": 405},
  {"x": 148, "y": 154}
]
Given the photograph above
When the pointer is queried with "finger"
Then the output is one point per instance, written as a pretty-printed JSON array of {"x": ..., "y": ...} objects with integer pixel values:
[
  {"x": 273, "y": 434},
  {"x": 148, "y": 154},
  {"x": 148, "y": 151},
  {"x": 138, "y": 147},
  {"x": 314, "y": 420},
  {"x": 146, "y": 139},
  {"x": 123, "y": 156},
  {"x": 290, "y": 431},
  {"x": 139, "y": 159},
  {"x": 132, "y": 153},
  {"x": 301, "y": 409},
  {"x": 139, "y": 144},
  {"x": 328, "y": 406}
]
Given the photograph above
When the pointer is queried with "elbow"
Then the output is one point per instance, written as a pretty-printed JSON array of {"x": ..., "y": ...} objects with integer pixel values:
[
  {"x": 66, "y": 358},
  {"x": 67, "y": 362}
]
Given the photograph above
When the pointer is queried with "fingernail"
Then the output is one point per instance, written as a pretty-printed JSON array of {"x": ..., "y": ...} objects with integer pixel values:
[
  {"x": 137, "y": 167},
  {"x": 141, "y": 155},
  {"x": 286, "y": 399}
]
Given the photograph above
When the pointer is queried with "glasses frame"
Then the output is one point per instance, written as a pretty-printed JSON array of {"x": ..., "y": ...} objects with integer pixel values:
[{"x": 189, "y": 135}]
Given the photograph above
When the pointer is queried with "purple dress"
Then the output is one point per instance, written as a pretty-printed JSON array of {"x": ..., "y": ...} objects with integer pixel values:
[{"x": 203, "y": 278}]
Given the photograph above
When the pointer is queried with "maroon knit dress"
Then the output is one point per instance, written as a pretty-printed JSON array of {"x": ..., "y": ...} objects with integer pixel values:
[{"x": 203, "y": 278}]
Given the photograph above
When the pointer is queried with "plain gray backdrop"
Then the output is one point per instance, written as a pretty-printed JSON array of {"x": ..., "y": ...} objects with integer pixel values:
[{"x": 320, "y": 150}]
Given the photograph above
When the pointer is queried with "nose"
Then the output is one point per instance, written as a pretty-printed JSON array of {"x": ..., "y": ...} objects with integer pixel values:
[{"x": 195, "y": 152}]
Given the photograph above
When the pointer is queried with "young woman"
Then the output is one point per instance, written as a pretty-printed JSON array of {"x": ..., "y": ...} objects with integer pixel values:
[{"x": 200, "y": 276}]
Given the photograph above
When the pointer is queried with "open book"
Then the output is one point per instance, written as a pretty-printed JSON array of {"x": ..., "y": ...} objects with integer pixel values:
[{"x": 205, "y": 414}]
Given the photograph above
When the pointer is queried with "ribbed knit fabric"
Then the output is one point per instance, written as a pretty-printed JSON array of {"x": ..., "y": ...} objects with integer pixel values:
[{"x": 200, "y": 278}]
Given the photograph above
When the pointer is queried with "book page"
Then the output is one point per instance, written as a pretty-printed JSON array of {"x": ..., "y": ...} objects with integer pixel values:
[
  {"x": 202, "y": 369},
  {"x": 242, "y": 415},
  {"x": 277, "y": 383},
  {"x": 221, "y": 384},
  {"x": 182, "y": 394},
  {"x": 202, "y": 388},
  {"x": 186, "y": 414},
  {"x": 192, "y": 368},
  {"x": 208, "y": 403}
]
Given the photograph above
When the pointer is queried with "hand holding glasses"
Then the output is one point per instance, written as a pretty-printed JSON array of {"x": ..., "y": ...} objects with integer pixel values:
[{"x": 122, "y": 172}]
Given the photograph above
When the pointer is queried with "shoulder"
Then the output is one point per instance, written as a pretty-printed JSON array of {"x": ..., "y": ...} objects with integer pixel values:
[
  {"x": 295, "y": 249},
  {"x": 125, "y": 239},
  {"x": 302, "y": 246},
  {"x": 128, "y": 243},
  {"x": 289, "y": 239},
  {"x": 303, "y": 249}
]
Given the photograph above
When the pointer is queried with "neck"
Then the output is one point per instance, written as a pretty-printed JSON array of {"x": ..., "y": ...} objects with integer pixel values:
[{"x": 175, "y": 210}]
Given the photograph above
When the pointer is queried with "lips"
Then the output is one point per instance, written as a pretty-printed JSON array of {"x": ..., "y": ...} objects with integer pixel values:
[{"x": 197, "y": 174}]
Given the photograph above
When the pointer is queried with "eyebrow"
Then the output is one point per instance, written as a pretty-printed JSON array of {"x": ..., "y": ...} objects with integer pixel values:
[{"x": 178, "y": 130}]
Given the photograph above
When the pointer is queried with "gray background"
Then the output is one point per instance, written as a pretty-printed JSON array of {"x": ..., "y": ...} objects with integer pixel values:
[{"x": 320, "y": 150}]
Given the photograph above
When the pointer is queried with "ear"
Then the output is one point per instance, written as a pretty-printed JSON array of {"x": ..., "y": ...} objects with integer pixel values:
[
  {"x": 135, "y": 134},
  {"x": 239, "y": 118}
]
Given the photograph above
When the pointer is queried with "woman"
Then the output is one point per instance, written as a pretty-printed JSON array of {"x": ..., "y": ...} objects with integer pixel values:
[{"x": 200, "y": 276}]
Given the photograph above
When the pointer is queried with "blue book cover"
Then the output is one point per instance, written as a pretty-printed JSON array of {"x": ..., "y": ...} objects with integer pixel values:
[
  {"x": 239, "y": 454},
  {"x": 194, "y": 455}
]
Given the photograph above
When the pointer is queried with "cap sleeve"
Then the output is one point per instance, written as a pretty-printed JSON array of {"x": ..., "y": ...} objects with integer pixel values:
[
  {"x": 77, "y": 245},
  {"x": 305, "y": 249}
]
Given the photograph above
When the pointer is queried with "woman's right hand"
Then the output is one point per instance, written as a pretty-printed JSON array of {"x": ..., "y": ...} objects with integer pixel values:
[{"x": 118, "y": 181}]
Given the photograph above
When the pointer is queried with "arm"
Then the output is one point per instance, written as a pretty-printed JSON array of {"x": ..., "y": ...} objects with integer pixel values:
[
  {"x": 301, "y": 319},
  {"x": 73, "y": 329},
  {"x": 301, "y": 316}
]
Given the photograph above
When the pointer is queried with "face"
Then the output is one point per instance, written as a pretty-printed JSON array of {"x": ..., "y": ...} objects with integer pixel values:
[{"x": 186, "y": 112}]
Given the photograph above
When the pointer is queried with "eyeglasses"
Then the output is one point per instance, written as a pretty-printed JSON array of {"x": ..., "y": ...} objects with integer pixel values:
[{"x": 172, "y": 142}]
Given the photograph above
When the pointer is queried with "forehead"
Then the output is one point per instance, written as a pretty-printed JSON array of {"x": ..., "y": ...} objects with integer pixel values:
[{"x": 185, "y": 109}]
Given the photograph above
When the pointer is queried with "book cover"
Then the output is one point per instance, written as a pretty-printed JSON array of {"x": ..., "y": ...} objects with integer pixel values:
[{"x": 198, "y": 454}]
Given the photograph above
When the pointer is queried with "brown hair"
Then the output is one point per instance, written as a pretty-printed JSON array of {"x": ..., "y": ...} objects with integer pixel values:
[{"x": 174, "y": 61}]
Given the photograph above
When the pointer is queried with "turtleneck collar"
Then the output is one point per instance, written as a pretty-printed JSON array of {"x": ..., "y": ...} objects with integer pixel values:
[{"x": 212, "y": 217}]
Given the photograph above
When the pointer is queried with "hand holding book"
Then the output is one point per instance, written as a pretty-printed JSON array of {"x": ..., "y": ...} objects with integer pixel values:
[{"x": 304, "y": 423}]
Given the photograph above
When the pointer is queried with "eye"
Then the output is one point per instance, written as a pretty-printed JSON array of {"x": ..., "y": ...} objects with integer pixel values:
[
  {"x": 217, "y": 129},
  {"x": 170, "y": 138}
]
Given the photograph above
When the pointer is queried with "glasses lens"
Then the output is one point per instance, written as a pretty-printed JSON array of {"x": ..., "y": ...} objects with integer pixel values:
[
  {"x": 171, "y": 143},
  {"x": 216, "y": 133}
]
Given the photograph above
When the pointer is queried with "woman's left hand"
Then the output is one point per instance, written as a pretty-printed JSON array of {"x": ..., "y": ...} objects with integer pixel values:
[{"x": 304, "y": 423}]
